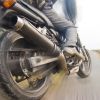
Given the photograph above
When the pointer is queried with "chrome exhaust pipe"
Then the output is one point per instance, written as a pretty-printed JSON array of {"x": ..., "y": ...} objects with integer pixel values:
[{"x": 31, "y": 34}]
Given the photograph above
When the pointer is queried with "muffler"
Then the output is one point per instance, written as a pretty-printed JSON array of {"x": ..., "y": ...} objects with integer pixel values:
[{"x": 32, "y": 35}]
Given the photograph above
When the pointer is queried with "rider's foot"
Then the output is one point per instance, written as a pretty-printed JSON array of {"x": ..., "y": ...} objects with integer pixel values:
[{"x": 70, "y": 51}]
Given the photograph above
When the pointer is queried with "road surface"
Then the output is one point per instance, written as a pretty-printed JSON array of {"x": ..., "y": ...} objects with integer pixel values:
[{"x": 73, "y": 87}]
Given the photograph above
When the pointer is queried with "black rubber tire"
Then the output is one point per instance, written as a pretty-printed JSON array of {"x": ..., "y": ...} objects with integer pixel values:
[
  {"x": 85, "y": 73},
  {"x": 7, "y": 83}
]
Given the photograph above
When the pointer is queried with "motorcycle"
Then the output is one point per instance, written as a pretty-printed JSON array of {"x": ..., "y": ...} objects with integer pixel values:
[{"x": 31, "y": 51}]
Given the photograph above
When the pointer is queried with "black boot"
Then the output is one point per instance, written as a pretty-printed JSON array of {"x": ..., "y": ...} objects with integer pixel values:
[{"x": 71, "y": 50}]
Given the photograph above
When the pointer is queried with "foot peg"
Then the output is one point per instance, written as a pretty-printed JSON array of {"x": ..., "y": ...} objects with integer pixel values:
[{"x": 74, "y": 70}]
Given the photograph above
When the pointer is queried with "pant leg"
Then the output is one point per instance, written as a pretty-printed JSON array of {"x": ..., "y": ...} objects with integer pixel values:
[{"x": 65, "y": 27}]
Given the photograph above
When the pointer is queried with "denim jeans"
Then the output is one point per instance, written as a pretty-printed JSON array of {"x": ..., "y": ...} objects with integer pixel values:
[{"x": 65, "y": 27}]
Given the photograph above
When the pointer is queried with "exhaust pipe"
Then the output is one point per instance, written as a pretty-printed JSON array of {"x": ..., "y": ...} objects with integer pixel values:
[{"x": 31, "y": 34}]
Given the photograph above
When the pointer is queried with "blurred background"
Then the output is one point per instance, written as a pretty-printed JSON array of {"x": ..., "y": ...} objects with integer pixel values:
[{"x": 88, "y": 21}]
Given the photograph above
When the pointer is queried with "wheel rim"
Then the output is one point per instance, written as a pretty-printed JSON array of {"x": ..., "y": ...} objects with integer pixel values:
[{"x": 24, "y": 85}]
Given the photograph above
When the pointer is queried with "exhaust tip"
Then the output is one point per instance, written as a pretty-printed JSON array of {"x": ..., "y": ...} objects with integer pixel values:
[
  {"x": 18, "y": 23},
  {"x": 12, "y": 21}
]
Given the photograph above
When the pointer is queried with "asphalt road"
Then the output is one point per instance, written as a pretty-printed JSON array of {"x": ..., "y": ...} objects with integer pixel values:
[{"x": 73, "y": 87}]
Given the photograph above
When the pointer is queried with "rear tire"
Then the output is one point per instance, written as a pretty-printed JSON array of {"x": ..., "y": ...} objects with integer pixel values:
[{"x": 10, "y": 86}]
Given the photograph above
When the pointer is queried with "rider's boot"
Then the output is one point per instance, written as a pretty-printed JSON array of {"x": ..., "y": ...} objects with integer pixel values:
[{"x": 71, "y": 51}]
